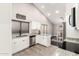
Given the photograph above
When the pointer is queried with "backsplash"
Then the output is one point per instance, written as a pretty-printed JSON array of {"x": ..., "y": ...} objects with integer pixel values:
[{"x": 35, "y": 31}]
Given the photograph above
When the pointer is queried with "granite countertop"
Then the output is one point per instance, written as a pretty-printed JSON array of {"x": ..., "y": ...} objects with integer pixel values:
[
  {"x": 62, "y": 52},
  {"x": 73, "y": 40}
]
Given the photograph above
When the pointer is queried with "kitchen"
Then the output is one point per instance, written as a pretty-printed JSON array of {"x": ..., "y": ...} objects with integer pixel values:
[{"x": 32, "y": 28}]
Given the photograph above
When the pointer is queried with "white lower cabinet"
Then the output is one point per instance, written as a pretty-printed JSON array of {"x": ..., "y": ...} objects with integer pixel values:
[
  {"x": 44, "y": 40},
  {"x": 20, "y": 44},
  {"x": 38, "y": 39}
]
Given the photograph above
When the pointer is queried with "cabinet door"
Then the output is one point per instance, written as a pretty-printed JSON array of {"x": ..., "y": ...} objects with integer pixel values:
[
  {"x": 20, "y": 44},
  {"x": 41, "y": 40},
  {"x": 46, "y": 41},
  {"x": 16, "y": 45},
  {"x": 77, "y": 48},
  {"x": 25, "y": 42},
  {"x": 70, "y": 46},
  {"x": 38, "y": 38}
]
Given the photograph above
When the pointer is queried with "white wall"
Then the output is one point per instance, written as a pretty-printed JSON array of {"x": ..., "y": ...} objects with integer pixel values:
[
  {"x": 5, "y": 29},
  {"x": 32, "y": 14},
  {"x": 70, "y": 31}
]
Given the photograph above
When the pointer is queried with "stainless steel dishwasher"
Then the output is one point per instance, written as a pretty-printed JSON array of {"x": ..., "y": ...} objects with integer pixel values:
[{"x": 32, "y": 40}]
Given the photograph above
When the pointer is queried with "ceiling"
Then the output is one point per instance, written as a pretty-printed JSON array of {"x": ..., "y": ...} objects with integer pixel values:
[{"x": 55, "y": 12}]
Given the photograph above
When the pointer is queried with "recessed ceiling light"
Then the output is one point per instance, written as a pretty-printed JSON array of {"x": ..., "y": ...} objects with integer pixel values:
[
  {"x": 48, "y": 14},
  {"x": 42, "y": 6},
  {"x": 57, "y": 11}
]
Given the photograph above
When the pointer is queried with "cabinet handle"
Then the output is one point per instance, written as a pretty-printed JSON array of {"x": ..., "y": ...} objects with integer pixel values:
[{"x": 69, "y": 19}]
